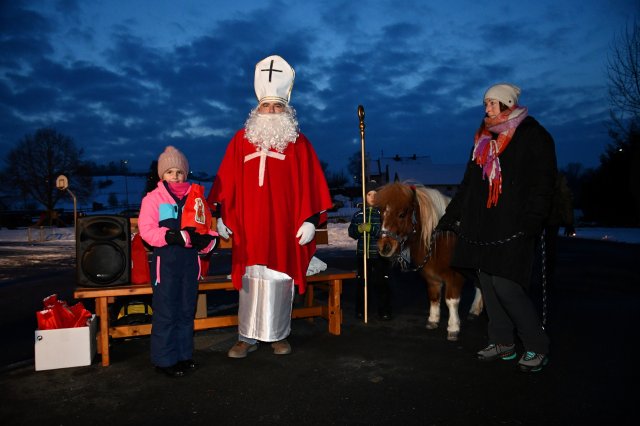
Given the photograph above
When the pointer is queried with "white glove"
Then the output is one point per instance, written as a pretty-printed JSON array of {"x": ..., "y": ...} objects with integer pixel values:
[
  {"x": 223, "y": 231},
  {"x": 306, "y": 233}
]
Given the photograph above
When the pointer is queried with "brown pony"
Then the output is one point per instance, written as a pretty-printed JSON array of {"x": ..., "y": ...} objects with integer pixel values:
[{"x": 410, "y": 214}]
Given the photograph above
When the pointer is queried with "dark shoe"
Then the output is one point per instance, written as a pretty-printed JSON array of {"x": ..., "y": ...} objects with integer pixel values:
[
  {"x": 281, "y": 347},
  {"x": 188, "y": 365},
  {"x": 172, "y": 371},
  {"x": 241, "y": 349},
  {"x": 493, "y": 351},
  {"x": 532, "y": 362}
]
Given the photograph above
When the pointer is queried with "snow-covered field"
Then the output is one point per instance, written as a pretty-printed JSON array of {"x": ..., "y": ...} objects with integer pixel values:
[
  {"x": 337, "y": 234},
  {"x": 131, "y": 189},
  {"x": 29, "y": 247}
]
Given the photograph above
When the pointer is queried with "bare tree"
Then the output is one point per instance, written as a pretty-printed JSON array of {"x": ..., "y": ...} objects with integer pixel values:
[
  {"x": 354, "y": 166},
  {"x": 624, "y": 79},
  {"x": 38, "y": 159}
]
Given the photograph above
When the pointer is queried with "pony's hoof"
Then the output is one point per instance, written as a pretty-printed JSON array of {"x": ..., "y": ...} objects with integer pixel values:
[
  {"x": 472, "y": 317},
  {"x": 452, "y": 336},
  {"x": 432, "y": 325}
]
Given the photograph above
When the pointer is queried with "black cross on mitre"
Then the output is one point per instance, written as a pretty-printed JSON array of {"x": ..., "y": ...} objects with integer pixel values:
[{"x": 271, "y": 70}]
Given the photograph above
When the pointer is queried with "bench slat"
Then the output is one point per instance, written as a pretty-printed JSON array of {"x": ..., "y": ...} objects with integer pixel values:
[{"x": 213, "y": 282}]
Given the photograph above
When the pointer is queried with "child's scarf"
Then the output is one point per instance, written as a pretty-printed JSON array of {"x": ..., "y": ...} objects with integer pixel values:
[
  {"x": 486, "y": 150},
  {"x": 179, "y": 189}
]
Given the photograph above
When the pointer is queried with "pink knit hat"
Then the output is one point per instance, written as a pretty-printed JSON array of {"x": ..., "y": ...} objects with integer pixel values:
[{"x": 171, "y": 157}]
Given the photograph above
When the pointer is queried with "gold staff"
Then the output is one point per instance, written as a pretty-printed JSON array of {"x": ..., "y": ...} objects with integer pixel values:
[{"x": 365, "y": 244}]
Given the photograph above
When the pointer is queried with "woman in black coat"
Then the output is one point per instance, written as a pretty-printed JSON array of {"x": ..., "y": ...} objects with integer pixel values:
[{"x": 498, "y": 212}]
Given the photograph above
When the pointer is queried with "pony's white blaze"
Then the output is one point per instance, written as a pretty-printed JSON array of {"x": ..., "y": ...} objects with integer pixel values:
[{"x": 385, "y": 212}]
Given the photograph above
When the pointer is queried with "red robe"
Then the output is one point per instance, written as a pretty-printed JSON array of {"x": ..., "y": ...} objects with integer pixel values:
[{"x": 265, "y": 219}]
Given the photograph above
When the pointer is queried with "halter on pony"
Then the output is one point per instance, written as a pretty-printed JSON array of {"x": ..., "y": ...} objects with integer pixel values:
[{"x": 403, "y": 255}]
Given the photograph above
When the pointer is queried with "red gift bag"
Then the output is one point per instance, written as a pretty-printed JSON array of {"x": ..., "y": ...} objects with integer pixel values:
[
  {"x": 80, "y": 314},
  {"x": 56, "y": 314},
  {"x": 140, "y": 273},
  {"x": 47, "y": 320},
  {"x": 196, "y": 213}
]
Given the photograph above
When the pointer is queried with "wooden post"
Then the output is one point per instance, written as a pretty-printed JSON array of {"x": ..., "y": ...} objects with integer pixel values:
[{"x": 364, "y": 211}]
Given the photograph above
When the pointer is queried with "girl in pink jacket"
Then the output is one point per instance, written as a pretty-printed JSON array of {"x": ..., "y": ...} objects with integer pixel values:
[{"x": 176, "y": 222}]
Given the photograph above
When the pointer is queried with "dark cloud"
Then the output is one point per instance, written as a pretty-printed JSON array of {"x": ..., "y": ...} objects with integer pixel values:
[
  {"x": 420, "y": 81},
  {"x": 23, "y": 35}
]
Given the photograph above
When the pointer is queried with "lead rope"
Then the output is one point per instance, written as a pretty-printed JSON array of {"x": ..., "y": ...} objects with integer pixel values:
[
  {"x": 543, "y": 249},
  {"x": 403, "y": 258},
  {"x": 543, "y": 254}
]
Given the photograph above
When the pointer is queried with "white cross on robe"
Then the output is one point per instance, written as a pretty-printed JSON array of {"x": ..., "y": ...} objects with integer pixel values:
[{"x": 263, "y": 161}]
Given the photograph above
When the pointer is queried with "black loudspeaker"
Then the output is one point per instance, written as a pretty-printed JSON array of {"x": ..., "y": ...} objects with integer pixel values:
[{"x": 103, "y": 251}]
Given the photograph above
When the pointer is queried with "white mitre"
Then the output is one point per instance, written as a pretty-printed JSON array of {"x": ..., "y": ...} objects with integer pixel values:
[{"x": 273, "y": 80}]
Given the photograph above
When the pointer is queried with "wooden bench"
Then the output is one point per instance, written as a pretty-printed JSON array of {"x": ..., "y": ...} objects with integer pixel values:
[{"x": 330, "y": 280}]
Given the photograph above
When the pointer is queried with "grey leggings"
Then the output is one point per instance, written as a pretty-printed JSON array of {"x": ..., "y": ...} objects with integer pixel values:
[{"x": 509, "y": 307}]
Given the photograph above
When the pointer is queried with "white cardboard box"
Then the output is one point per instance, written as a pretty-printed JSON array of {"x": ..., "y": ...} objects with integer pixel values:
[{"x": 65, "y": 347}]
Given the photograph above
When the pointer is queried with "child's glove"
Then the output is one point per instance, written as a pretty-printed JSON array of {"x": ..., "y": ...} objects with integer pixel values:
[
  {"x": 175, "y": 238},
  {"x": 198, "y": 241},
  {"x": 364, "y": 227}
]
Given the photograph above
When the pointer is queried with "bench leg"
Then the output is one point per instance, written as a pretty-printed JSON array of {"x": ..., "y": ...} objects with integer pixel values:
[
  {"x": 335, "y": 310},
  {"x": 309, "y": 296},
  {"x": 309, "y": 299},
  {"x": 103, "y": 334}
]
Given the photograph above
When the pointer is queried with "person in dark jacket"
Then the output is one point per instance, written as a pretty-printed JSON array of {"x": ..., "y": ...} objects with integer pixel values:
[
  {"x": 560, "y": 215},
  {"x": 367, "y": 232},
  {"x": 499, "y": 212}
]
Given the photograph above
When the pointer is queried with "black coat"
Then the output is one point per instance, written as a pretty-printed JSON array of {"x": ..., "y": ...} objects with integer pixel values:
[{"x": 528, "y": 176}]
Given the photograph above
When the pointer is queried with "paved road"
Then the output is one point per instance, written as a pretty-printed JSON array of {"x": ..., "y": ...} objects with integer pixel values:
[{"x": 377, "y": 373}]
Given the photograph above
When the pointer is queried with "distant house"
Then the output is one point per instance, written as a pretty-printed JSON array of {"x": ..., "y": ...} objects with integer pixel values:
[{"x": 419, "y": 169}]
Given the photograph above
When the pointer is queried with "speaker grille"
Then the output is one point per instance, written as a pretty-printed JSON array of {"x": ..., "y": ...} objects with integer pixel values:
[
  {"x": 103, "y": 230},
  {"x": 103, "y": 263},
  {"x": 103, "y": 251}
]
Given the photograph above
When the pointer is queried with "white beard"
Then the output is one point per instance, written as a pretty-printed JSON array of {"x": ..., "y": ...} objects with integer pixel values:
[{"x": 272, "y": 131}]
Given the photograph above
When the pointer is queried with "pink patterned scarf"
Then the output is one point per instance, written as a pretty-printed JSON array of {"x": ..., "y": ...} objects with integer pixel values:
[{"x": 486, "y": 150}]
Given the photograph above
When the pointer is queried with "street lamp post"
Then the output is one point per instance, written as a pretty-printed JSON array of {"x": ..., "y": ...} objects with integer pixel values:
[
  {"x": 123, "y": 164},
  {"x": 62, "y": 183}
]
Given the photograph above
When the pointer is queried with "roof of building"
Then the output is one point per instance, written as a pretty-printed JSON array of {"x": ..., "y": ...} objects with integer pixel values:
[{"x": 421, "y": 169}]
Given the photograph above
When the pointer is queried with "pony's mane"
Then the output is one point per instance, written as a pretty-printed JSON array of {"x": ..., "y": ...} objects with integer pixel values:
[{"x": 431, "y": 203}]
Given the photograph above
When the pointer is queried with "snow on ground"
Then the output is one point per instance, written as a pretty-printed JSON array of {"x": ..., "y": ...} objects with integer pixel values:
[
  {"x": 29, "y": 247},
  {"x": 131, "y": 188},
  {"x": 338, "y": 236},
  {"x": 57, "y": 244}
]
